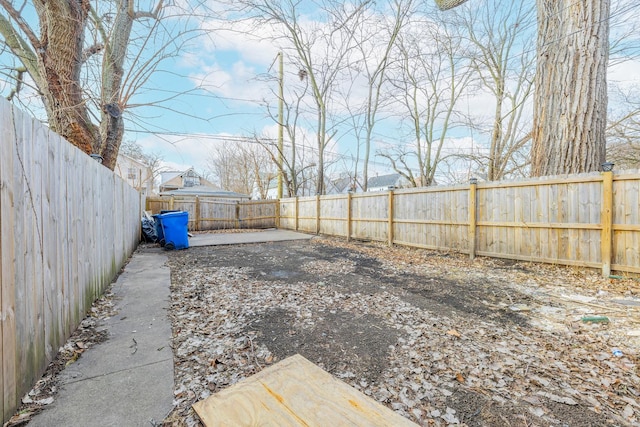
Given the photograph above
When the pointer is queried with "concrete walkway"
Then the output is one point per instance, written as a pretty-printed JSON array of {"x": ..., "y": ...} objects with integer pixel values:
[
  {"x": 127, "y": 380},
  {"x": 239, "y": 238}
]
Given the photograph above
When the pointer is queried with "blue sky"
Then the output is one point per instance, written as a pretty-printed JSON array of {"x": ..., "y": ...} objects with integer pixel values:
[
  {"x": 232, "y": 69},
  {"x": 231, "y": 66},
  {"x": 222, "y": 84}
]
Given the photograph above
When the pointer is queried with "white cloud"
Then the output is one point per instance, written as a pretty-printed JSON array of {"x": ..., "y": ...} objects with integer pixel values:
[
  {"x": 237, "y": 82},
  {"x": 251, "y": 41},
  {"x": 183, "y": 152},
  {"x": 625, "y": 73}
]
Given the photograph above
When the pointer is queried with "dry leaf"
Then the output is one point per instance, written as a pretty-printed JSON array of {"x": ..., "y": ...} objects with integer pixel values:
[
  {"x": 533, "y": 400},
  {"x": 558, "y": 399},
  {"x": 454, "y": 333},
  {"x": 459, "y": 377}
]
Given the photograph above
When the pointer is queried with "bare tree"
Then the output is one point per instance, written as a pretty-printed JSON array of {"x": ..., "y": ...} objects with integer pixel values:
[
  {"x": 242, "y": 166},
  {"x": 506, "y": 70},
  {"x": 434, "y": 70},
  {"x": 86, "y": 60},
  {"x": 375, "y": 40},
  {"x": 292, "y": 162},
  {"x": 321, "y": 50},
  {"x": 623, "y": 130},
  {"x": 570, "y": 100}
]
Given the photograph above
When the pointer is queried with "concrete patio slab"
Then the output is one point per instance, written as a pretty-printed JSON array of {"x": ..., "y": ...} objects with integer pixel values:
[{"x": 216, "y": 239}]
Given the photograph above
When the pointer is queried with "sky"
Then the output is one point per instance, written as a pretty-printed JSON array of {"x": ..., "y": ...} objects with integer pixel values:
[
  {"x": 219, "y": 88},
  {"x": 237, "y": 69}
]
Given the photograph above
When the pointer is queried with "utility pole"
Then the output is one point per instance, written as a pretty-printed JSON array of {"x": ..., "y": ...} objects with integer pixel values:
[{"x": 280, "y": 124}]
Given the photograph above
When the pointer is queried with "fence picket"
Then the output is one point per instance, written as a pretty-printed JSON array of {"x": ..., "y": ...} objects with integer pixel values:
[
  {"x": 52, "y": 255},
  {"x": 558, "y": 220}
]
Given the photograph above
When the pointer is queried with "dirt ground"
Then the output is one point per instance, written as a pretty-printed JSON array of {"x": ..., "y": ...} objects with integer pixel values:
[{"x": 438, "y": 338}]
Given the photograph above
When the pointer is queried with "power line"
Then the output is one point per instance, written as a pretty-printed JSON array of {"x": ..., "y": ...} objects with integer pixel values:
[{"x": 249, "y": 140}]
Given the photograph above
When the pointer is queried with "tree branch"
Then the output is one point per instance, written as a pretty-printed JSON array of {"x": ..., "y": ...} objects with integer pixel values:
[
  {"x": 20, "y": 48},
  {"x": 20, "y": 71},
  {"x": 92, "y": 50},
  {"x": 22, "y": 24},
  {"x": 155, "y": 14}
]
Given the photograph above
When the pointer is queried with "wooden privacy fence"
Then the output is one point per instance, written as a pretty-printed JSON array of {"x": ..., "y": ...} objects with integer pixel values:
[
  {"x": 67, "y": 226},
  {"x": 208, "y": 213},
  {"x": 589, "y": 220}
]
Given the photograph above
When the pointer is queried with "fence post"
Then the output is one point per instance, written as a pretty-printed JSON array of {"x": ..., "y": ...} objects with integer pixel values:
[
  {"x": 317, "y": 213},
  {"x": 171, "y": 203},
  {"x": 296, "y": 220},
  {"x": 237, "y": 216},
  {"x": 349, "y": 216},
  {"x": 606, "y": 236},
  {"x": 278, "y": 213},
  {"x": 197, "y": 218},
  {"x": 390, "y": 228},
  {"x": 473, "y": 188}
]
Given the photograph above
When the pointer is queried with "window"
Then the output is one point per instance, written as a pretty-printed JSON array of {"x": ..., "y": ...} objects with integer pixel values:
[{"x": 132, "y": 173}]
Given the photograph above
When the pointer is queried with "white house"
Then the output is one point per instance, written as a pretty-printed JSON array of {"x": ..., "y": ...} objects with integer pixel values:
[
  {"x": 386, "y": 182},
  {"x": 135, "y": 173}
]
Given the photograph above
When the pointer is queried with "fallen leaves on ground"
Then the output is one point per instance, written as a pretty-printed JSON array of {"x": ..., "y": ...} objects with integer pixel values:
[{"x": 488, "y": 342}]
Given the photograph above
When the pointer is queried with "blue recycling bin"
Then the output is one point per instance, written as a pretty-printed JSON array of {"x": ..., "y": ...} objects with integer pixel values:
[
  {"x": 157, "y": 223},
  {"x": 174, "y": 229}
]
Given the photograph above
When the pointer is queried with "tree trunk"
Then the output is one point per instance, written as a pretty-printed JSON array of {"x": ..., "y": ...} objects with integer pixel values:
[
  {"x": 570, "y": 111},
  {"x": 62, "y": 26},
  {"x": 495, "y": 150},
  {"x": 112, "y": 123}
]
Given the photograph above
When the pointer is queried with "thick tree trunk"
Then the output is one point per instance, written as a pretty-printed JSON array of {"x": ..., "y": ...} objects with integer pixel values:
[
  {"x": 62, "y": 26},
  {"x": 570, "y": 111},
  {"x": 55, "y": 58}
]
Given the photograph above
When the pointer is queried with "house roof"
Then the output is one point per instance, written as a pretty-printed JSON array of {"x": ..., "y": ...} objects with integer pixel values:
[
  {"x": 177, "y": 180},
  {"x": 124, "y": 157},
  {"x": 383, "y": 180},
  {"x": 339, "y": 185},
  {"x": 203, "y": 190}
]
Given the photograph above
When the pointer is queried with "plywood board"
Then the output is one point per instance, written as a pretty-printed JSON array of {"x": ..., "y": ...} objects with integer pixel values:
[{"x": 294, "y": 392}]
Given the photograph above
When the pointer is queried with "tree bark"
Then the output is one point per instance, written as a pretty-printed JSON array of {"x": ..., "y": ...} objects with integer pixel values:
[
  {"x": 55, "y": 56},
  {"x": 62, "y": 26},
  {"x": 112, "y": 122},
  {"x": 570, "y": 106}
]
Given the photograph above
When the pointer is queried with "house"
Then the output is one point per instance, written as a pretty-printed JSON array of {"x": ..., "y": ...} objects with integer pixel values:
[
  {"x": 204, "y": 191},
  {"x": 174, "y": 180},
  {"x": 190, "y": 183},
  {"x": 386, "y": 182},
  {"x": 339, "y": 185},
  {"x": 135, "y": 173}
]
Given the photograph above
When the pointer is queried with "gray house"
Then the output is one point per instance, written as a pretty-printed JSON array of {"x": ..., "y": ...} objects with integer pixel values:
[{"x": 386, "y": 182}]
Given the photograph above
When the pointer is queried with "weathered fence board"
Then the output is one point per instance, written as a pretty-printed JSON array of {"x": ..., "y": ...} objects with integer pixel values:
[
  {"x": 306, "y": 214},
  {"x": 67, "y": 226},
  {"x": 210, "y": 213},
  {"x": 7, "y": 263},
  {"x": 333, "y": 219},
  {"x": 258, "y": 214},
  {"x": 590, "y": 220},
  {"x": 626, "y": 222}
]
